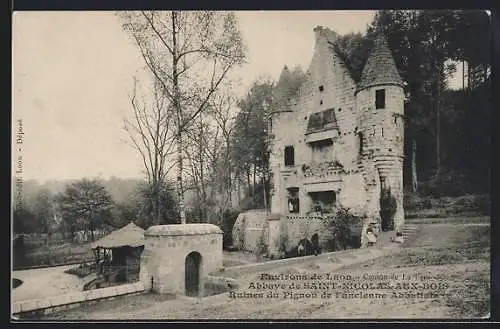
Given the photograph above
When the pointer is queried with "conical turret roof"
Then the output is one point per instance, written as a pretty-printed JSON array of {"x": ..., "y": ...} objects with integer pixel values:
[
  {"x": 284, "y": 91},
  {"x": 380, "y": 67}
]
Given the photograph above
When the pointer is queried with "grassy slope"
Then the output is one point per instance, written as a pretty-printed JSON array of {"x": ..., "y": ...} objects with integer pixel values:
[{"x": 458, "y": 255}]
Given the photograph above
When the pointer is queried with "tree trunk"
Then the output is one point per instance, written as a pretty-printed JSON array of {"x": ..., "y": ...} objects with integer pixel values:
[
  {"x": 229, "y": 178},
  {"x": 157, "y": 203},
  {"x": 91, "y": 231},
  {"x": 438, "y": 149},
  {"x": 463, "y": 74},
  {"x": 202, "y": 177},
  {"x": 414, "y": 181},
  {"x": 230, "y": 185},
  {"x": 438, "y": 126},
  {"x": 238, "y": 186},
  {"x": 177, "y": 106},
  {"x": 47, "y": 230},
  {"x": 264, "y": 191},
  {"x": 248, "y": 181},
  {"x": 253, "y": 186},
  {"x": 468, "y": 76}
]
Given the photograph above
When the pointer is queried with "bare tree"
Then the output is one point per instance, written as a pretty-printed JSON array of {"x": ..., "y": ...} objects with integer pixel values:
[
  {"x": 151, "y": 134},
  {"x": 208, "y": 151},
  {"x": 202, "y": 150},
  {"x": 222, "y": 112},
  {"x": 190, "y": 53}
]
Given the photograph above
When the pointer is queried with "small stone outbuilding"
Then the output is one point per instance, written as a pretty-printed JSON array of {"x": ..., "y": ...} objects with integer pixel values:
[{"x": 177, "y": 258}]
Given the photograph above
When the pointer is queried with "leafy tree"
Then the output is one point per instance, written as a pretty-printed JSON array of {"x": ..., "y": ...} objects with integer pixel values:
[
  {"x": 44, "y": 212},
  {"x": 249, "y": 147},
  {"x": 43, "y": 209},
  {"x": 168, "y": 211},
  {"x": 423, "y": 42},
  {"x": 85, "y": 204},
  {"x": 435, "y": 37},
  {"x": 24, "y": 221},
  {"x": 250, "y": 134},
  {"x": 124, "y": 213},
  {"x": 354, "y": 49}
]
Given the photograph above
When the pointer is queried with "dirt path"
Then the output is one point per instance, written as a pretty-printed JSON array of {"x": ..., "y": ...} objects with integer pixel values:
[{"x": 45, "y": 282}]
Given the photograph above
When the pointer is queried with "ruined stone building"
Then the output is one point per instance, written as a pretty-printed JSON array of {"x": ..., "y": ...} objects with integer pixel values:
[{"x": 335, "y": 143}]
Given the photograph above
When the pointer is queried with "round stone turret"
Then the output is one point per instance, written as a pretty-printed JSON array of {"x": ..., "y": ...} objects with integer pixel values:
[{"x": 380, "y": 100}]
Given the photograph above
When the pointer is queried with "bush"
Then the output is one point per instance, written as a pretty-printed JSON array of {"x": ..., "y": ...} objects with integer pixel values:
[
  {"x": 282, "y": 242},
  {"x": 451, "y": 183},
  {"x": 340, "y": 231},
  {"x": 228, "y": 219},
  {"x": 444, "y": 206},
  {"x": 479, "y": 203},
  {"x": 483, "y": 204},
  {"x": 413, "y": 201}
]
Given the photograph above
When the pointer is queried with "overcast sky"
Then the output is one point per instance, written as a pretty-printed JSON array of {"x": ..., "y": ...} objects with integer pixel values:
[{"x": 73, "y": 72}]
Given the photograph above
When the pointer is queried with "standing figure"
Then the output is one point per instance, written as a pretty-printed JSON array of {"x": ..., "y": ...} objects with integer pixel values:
[{"x": 371, "y": 237}]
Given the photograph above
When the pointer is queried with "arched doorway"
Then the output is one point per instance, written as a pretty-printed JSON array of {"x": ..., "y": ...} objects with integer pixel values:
[{"x": 192, "y": 273}]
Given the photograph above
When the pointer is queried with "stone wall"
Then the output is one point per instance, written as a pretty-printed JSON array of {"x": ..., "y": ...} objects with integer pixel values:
[
  {"x": 249, "y": 228},
  {"x": 353, "y": 194},
  {"x": 65, "y": 302},
  {"x": 297, "y": 227},
  {"x": 274, "y": 235}
]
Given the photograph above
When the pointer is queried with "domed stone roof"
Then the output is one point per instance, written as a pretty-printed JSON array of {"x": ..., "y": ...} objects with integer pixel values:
[{"x": 182, "y": 229}]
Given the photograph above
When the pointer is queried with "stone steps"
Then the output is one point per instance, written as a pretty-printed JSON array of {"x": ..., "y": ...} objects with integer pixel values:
[{"x": 409, "y": 231}]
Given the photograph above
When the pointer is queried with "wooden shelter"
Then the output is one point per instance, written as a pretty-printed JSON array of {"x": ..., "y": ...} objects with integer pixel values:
[{"x": 117, "y": 255}]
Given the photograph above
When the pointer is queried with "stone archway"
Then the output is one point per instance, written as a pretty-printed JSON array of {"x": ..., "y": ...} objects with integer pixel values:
[{"x": 193, "y": 279}]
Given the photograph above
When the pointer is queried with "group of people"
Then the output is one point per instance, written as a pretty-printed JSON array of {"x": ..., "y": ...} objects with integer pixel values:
[{"x": 372, "y": 237}]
